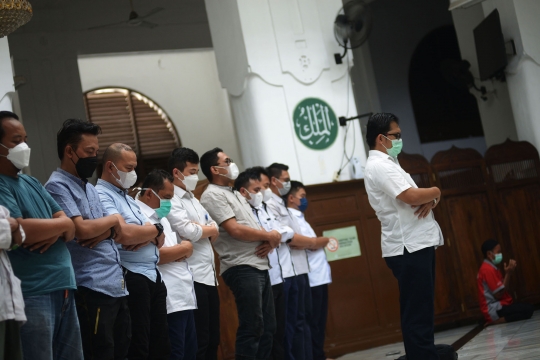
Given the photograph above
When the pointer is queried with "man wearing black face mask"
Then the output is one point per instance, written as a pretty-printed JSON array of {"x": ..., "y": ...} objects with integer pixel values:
[{"x": 101, "y": 296}]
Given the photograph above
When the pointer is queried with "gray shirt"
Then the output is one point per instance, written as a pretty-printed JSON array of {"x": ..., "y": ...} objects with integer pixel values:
[{"x": 222, "y": 203}]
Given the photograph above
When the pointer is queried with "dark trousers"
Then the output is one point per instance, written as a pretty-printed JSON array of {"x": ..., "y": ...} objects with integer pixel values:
[
  {"x": 105, "y": 324},
  {"x": 319, "y": 314},
  {"x": 516, "y": 312},
  {"x": 254, "y": 302},
  {"x": 301, "y": 343},
  {"x": 207, "y": 321},
  {"x": 10, "y": 340},
  {"x": 415, "y": 273},
  {"x": 182, "y": 335},
  {"x": 279, "y": 309},
  {"x": 148, "y": 310},
  {"x": 290, "y": 295}
]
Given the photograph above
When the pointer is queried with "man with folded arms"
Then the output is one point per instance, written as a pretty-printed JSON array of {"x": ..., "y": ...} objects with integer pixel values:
[
  {"x": 243, "y": 270},
  {"x": 139, "y": 255},
  {"x": 101, "y": 295}
]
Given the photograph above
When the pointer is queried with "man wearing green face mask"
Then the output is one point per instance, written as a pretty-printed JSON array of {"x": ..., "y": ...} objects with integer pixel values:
[
  {"x": 495, "y": 301},
  {"x": 155, "y": 202},
  {"x": 410, "y": 233}
]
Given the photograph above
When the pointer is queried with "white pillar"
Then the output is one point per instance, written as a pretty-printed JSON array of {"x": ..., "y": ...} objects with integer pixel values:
[
  {"x": 7, "y": 91},
  {"x": 272, "y": 55},
  {"x": 519, "y": 20}
]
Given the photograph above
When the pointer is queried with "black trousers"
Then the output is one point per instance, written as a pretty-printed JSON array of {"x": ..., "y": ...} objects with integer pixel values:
[
  {"x": 516, "y": 312},
  {"x": 279, "y": 309},
  {"x": 301, "y": 343},
  {"x": 182, "y": 335},
  {"x": 207, "y": 321},
  {"x": 10, "y": 340},
  {"x": 148, "y": 310},
  {"x": 415, "y": 273},
  {"x": 105, "y": 324},
  {"x": 319, "y": 314}
]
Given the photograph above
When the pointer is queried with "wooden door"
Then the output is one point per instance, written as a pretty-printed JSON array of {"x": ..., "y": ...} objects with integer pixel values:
[
  {"x": 447, "y": 303},
  {"x": 467, "y": 214},
  {"x": 514, "y": 170}
]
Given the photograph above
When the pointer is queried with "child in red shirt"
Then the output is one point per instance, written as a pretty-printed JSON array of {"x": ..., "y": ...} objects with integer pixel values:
[{"x": 495, "y": 301}]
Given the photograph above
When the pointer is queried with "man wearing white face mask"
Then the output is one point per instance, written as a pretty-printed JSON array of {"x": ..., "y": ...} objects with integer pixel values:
[
  {"x": 243, "y": 270},
  {"x": 256, "y": 193},
  {"x": 190, "y": 221},
  {"x": 43, "y": 263},
  {"x": 297, "y": 289},
  {"x": 147, "y": 292},
  {"x": 410, "y": 233}
]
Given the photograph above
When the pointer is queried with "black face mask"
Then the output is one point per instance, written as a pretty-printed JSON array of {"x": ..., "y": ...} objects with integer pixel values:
[{"x": 85, "y": 167}]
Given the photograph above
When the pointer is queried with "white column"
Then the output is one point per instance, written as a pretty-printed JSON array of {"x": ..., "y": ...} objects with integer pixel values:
[
  {"x": 271, "y": 55},
  {"x": 7, "y": 91},
  {"x": 519, "y": 20}
]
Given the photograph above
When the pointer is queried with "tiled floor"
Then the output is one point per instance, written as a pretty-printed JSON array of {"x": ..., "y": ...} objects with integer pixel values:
[
  {"x": 379, "y": 353},
  {"x": 514, "y": 341}
]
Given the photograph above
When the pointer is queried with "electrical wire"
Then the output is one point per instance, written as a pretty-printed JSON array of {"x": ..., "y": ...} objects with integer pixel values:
[{"x": 341, "y": 166}]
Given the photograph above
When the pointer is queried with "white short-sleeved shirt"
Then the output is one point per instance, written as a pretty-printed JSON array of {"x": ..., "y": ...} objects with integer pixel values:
[
  {"x": 320, "y": 273},
  {"x": 293, "y": 262},
  {"x": 268, "y": 222},
  {"x": 176, "y": 275},
  {"x": 401, "y": 228}
]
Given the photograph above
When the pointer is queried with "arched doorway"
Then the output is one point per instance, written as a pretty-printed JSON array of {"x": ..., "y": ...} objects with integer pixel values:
[
  {"x": 131, "y": 118},
  {"x": 444, "y": 109}
]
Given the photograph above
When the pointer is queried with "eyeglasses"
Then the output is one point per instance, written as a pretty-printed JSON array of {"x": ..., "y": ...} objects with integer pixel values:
[{"x": 396, "y": 135}]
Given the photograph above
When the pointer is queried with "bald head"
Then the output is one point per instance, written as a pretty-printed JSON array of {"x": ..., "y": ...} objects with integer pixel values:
[{"x": 114, "y": 152}]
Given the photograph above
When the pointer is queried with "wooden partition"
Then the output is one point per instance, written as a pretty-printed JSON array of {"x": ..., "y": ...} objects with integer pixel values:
[{"x": 493, "y": 197}]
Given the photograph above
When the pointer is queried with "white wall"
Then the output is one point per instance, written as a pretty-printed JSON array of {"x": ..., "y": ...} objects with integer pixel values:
[
  {"x": 184, "y": 83},
  {"x": 6, "y": 77}
]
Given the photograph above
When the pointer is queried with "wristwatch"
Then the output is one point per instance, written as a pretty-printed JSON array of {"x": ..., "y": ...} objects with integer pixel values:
[{"x": 159, "y": 228}]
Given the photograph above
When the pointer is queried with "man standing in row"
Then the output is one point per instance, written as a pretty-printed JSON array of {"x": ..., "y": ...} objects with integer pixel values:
[
  {"x": 191, "y": 222},
  {"x": 155, "y": 202},
  {"x": 243, "y": 271},
  {"x": 147, "y": 292},
  {"x": 410, "y": 233},
  {"x": 43, "y": 263},
  {"x": 101, "y": 295}
]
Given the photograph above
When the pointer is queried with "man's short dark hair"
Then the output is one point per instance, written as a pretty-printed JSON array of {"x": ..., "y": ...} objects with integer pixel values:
[
  {"x": 377, "y": 124},
  {"x": 259, "y": 170},
  {"x": 3, "y": 116},
  {"x": 276, "y": 169},
  {"x": 180, "y": 157},
  {"x": 242, "y": 181},
  {"x": 209, "y": 159},
  {"x": 155, "y": 180},
  {"x": 71, "y": 134},
  {"x": 296, "y": 186},
  {"x": 489, "y": 245}
]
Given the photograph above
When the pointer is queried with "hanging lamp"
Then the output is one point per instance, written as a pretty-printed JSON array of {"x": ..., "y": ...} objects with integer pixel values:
[{"x": 13, "y": 14}]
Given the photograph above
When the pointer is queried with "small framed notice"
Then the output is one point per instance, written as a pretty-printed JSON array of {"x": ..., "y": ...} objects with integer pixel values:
[{"x": 343, "y": 243}]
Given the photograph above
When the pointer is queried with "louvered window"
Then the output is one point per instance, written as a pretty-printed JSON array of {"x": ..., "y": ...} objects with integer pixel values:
[{"x": 131, "y": 118}]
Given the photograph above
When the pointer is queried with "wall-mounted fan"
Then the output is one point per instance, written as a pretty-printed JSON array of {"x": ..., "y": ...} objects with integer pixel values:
[
  {"x": 352, "y": 26},
  {"x": 134, "y": 19}
]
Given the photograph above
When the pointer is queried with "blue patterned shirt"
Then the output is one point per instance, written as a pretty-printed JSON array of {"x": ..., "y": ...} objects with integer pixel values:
[
  {"x": 97, "y": 268},
  {"x": 117, "y": 201}
]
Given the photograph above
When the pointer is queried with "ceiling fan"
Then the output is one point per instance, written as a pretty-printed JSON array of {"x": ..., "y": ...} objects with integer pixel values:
[{"x": 134, "y": 19}]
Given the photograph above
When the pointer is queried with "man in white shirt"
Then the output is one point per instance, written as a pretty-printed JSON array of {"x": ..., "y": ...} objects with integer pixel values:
[
  {"x": 410, "y": 233},
  {"x": 155, "y": 202},
  {"x": 319, "y": 276},
  {"x": 11, "y": 300},
  {"x": 298, "y": 332},
  {"x": 255, "y": 193},
  {"x": 191, "y": 222}
]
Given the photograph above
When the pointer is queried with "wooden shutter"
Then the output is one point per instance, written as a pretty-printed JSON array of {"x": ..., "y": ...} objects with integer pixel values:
[{"x": 131, "y": 118}]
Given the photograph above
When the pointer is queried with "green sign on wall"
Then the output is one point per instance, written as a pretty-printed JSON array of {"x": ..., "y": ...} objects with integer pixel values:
[{"x": 315, "y": 123}]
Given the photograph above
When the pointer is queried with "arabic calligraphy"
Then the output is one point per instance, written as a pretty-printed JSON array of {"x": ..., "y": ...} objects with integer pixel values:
[{"x": 315, "y": 123}]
